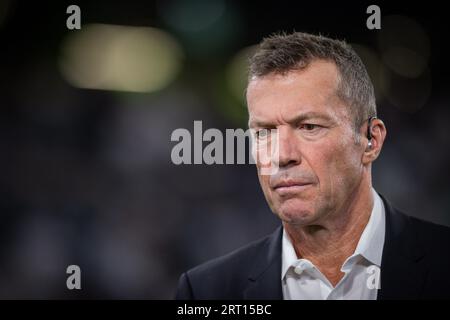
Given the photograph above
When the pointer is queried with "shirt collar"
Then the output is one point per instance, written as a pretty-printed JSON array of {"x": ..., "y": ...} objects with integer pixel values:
[
  {"x": 288, "y": 255},
  {"x": 370, "y": 244}
]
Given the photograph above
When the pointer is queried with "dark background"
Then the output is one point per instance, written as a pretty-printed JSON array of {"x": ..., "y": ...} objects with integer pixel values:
[{"x": 86, "y": 173}]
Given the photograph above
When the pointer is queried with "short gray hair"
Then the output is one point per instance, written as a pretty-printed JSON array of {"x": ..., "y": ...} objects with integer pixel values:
[{"x": 281, "y": 53}]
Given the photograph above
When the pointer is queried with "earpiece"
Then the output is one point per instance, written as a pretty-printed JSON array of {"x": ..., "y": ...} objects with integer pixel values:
[{"x": 369, "y": 133}]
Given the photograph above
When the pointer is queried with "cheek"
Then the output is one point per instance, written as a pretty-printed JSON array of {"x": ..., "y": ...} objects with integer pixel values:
[
  {"x": 264, "y": 182},
  {"x": 332, "y": 162},
  {"x": 339, "y": 165}
]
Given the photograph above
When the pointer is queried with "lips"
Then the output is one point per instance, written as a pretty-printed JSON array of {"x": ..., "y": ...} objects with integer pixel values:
[
  {"x": 290, "y": 183},
  {"x": 291, "y": 188}
]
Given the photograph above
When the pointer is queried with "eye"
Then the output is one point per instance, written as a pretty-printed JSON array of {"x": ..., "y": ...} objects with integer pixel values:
[
  {"x": 262, "y": 133},
  {"x": 309, "y": 126}
]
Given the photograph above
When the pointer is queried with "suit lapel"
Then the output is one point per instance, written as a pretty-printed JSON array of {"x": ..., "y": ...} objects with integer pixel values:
[
  {"x": 264, "y": 281},
  {"x": 403, "y": 270}
]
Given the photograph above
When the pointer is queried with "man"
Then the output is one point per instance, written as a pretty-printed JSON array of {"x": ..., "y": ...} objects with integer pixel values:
[{"x": 339, "y": 238}]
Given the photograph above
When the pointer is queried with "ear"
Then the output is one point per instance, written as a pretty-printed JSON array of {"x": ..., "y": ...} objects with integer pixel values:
[{"x": 378, "y": 131}]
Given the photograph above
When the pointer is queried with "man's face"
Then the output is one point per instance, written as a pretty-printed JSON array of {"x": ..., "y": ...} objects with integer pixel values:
[{"x": 319, "y": 163}]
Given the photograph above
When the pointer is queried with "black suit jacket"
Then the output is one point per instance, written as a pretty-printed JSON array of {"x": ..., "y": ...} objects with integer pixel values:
[{"x": 415, "y": 265}]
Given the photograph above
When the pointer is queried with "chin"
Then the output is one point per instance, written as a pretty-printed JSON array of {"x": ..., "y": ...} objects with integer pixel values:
[{"x": 295, "y": 213}]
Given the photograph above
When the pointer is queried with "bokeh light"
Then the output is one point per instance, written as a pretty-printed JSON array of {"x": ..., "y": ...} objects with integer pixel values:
[
  {"x": 207, "y": 27},
  {"x": 192, "y": 15},
  {"x": 120, "y": 58},
  {"x": 404, "y": 46},
  {"x": 237, "y": 73},
  {"x": 231, "y": 87}
]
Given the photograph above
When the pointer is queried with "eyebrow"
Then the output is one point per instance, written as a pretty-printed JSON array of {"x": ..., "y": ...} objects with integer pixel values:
[{"x": 296, "y": 119}]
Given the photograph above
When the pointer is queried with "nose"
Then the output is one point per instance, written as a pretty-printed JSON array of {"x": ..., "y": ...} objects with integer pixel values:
[{"x": 287, "y": 152}]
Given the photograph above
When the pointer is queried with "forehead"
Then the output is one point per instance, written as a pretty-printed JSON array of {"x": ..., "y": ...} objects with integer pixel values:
[{"x": 312, "y": 89}]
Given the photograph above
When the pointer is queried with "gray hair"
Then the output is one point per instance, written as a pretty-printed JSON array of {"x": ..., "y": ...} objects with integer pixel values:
[{"x": 281, "y": 53}]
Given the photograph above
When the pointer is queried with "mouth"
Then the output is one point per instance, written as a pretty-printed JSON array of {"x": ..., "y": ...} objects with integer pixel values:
[{"x": 287, "y": 187}]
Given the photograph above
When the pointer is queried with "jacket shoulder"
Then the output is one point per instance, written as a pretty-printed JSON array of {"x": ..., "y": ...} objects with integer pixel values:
[
  {"x": 226, "y": 276},
  {"x": 237, "y": 259},
  {"x": 431, "y": 234}
]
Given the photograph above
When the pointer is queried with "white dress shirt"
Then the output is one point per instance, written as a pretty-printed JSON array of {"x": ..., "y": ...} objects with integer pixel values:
[{"x": 302, "y": 280}]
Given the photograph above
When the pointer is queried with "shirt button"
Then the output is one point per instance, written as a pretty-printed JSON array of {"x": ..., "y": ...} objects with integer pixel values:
[
  {"x": 298, "y": 270},
  {"x": 301, "y": 266}
]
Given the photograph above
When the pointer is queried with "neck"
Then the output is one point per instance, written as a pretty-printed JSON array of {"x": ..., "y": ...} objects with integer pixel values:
[{"x": 329, "y": 243}]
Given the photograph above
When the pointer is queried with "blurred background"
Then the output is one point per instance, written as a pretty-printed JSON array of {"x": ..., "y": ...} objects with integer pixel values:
[{"x": 86, "y": 119}]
